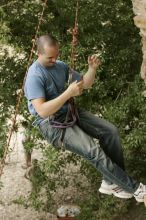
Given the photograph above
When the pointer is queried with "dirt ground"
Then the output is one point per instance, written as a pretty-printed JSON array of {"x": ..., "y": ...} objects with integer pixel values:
[{"x": 15, "y": 185}]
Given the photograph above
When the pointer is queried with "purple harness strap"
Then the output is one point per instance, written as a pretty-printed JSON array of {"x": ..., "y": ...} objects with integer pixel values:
[
  {"x": 65, "y": 124},
  {"x": 74, "y": 114},
  {"x": 71, "y": 109}
]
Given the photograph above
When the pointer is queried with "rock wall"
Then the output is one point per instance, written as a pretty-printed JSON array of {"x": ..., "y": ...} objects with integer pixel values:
[{"x": 139, "y": 8}]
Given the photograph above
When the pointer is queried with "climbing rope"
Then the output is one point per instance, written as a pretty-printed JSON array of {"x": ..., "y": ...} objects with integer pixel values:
[
  {"x": 74, "y": 42},
  {"x": 71, "y": 102},
  {"x": 6, "y": 149}
]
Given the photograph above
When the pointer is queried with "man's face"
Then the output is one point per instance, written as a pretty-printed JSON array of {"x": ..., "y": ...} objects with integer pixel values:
[{"x": 50, "y": 55}]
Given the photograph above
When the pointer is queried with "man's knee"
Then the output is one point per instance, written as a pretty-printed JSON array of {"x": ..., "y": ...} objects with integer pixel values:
[
  {"x": 113, "y": 131},
  {"x": 92, "y": 151}
]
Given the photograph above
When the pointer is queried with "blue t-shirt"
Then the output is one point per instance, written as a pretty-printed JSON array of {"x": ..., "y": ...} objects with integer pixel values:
[{"x": 47, "y": 82}]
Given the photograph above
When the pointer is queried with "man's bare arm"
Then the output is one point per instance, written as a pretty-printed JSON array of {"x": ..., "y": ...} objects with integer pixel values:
[
  {"x": 46, "y": 108},
  {"x": 89, "y": 77}
]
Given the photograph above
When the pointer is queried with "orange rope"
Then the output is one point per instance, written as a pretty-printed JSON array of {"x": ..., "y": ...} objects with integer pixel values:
[
  {"x": 6, "y": 149},
  {"x": 74, "y": 38}
]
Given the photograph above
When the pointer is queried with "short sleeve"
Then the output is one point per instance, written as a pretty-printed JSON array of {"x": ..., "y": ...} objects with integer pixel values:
[
  {"x": 75, "y": 75},
  {"x": 34, "y": 87}
]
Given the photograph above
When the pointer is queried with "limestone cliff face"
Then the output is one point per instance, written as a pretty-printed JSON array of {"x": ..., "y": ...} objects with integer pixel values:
[{"x": 139, "y": 8}]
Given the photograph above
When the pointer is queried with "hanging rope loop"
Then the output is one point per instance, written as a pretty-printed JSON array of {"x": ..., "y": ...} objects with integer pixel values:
[{"x": 74, "y": 31}]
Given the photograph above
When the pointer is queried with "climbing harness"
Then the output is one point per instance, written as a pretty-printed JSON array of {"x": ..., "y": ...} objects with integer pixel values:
[{"x": 72, "y": 113}]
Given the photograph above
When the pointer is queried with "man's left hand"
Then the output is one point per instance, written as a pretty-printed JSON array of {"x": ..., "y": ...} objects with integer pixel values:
[{"x": 94, "y": 61}]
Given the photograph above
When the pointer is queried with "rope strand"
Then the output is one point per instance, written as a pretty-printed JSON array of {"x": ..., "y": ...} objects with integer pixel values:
[
  {"x": 6, "y": 149},
  {"x": 74, "y": 38}
]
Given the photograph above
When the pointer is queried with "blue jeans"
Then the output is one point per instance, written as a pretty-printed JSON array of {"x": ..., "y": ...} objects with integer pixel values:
[{"x": 106, "y": 157}]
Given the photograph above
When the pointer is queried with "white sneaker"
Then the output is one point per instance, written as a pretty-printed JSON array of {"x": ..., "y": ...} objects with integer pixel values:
[
  {"x": 140, "y": 193},
  {"x": 115, "y": 190}
]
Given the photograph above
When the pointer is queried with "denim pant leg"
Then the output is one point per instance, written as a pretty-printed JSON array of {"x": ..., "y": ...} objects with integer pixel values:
[
  {"x": 105, "y": 132},
  {"x": 78, "y": 141}
]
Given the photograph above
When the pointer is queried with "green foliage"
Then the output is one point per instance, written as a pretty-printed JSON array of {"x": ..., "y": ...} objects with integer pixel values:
[
  {"x": 31, "y": 135},
  {"x": 105, "y": 27}
]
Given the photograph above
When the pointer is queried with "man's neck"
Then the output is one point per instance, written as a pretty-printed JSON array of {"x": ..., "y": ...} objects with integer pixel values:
[{"x": 42, "y": 63}]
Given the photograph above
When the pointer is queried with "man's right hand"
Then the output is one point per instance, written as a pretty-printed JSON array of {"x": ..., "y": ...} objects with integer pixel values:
[
  {"x": 75, "y": 88},
  {"x": 45, "y": 108}
]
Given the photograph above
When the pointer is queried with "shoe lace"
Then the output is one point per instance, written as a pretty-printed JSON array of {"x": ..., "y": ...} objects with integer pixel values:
[
  {"x": 118, "y": 189},
  {"x": 142, "y": 190}
]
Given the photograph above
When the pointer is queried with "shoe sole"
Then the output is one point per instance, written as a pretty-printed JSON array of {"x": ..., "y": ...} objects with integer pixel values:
[
  {"x": 139, "y": 200},
  {"x": 115, "y": 194},
  {"x": 123, "y": 197},
  {"x": 104, "y": 191}
]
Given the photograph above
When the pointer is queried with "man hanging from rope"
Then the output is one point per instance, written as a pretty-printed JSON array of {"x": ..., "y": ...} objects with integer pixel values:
[{"x": 60, "y": 122}]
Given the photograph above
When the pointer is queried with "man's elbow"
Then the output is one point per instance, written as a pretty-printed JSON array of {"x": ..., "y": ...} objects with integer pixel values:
[
  {"x": 39, "y": 107},
  {"x": 42, "y": 114},
  {"x": 40, "y": 111}
]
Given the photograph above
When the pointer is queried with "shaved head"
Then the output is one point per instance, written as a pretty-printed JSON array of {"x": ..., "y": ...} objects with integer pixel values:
[
  {"x": 48, "y": 50},
  {"x": 45, "y": 41}
]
